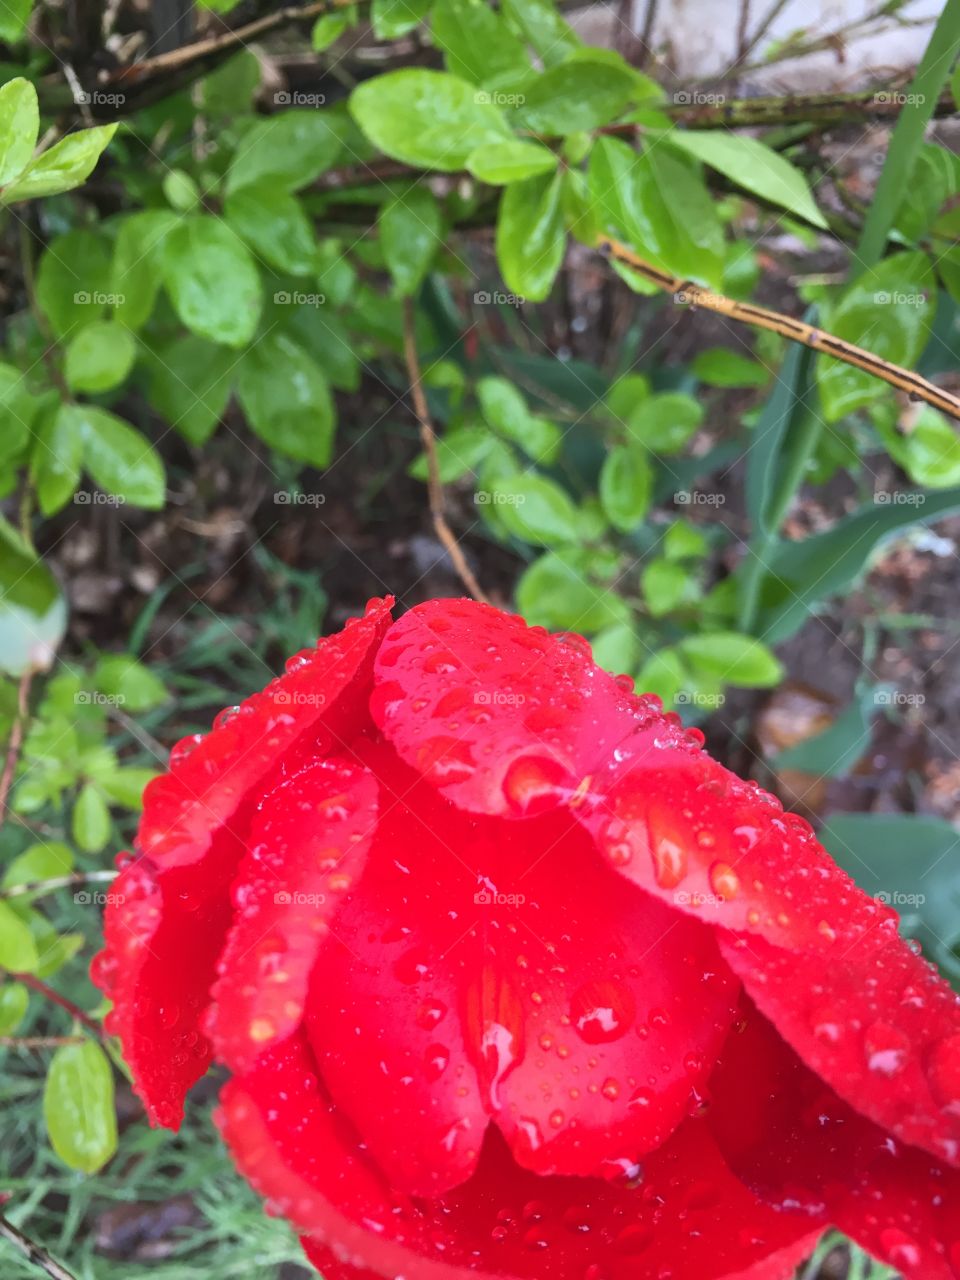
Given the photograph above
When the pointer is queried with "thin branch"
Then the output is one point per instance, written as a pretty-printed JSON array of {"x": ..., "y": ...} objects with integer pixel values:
[
  {"x": 41, "y": 887},
  {"x": 37, "y": 984},
  {"x": 39, "y": 1042},
  {"x": 202, "y": 49},
  {"x": 796, "y": 330},
  {"x": 32, "y": 1251},
  {"x": 429, "y": 440},
  {"x": 15, "y": 742}
]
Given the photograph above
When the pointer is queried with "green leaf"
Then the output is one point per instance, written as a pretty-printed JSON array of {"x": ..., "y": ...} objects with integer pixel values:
[
  {"x": 910, "y": 863},
  {"x": 129, "y": 682},
  {"x": 929, "y": 452},
  {"x": 212, "y": 281},
  {"x": 733, "y": 659},
  {"x": 286, "y": 399},
  {"x": 888, "y": 310},
  {"x": 14, "y": 16},
  {"x": 180, "y": 190},
  {"x": 617, "y": 648},
  {"x": 410, "y": 235},
  {"x": 665, "y": 675},
  {"x": 721, "y": 367},
  {"x": 506, "y": 411},
  {"x": 660, "y": 204},
  {"x": 56, "y": 462},
  {"x": 90, "y": 821},
  {"x": 575, "y": 95},
  {"x": 664, "y": 423},
  {"x": 666, "y": 585},
  {"x": 137, "y": 269},
  {"x": 625, "y": 395},
  {"x": 273, "y": 223},
  {"x": 18, "y": 951},
  {"x": 626, "y": 486},
  {"x": 530, "y": 236},
  {"x": 78, "y": 1106},
  {"x": 190, "y": 384},
  {"x": 534, "y": 509},
  {"x": 478, "y": 45},
  {"x": 39, "y": 862},
  {"x": 288, "y": 150},
  {"x": 19, "y": 127},
  {"x": 500, "y": 163},
  {"x": 120, "y": 460},
  {"x": 73, "y": 280},
  {"x": 229, "y": 90},
  {"x": 836, "y": 750},
  {"x": 14, "y": 999},
  {"x": 125, "y": 786},
  {"x": 328, "y": 29},
  {"x": 66, "y": 165},
  {"x": 99, "y": 357},
  {"x": 459, "y": 451},
  {"x": 33, "y": 614},
  {"x": 556, "y": 592},
  {"x": 426, "y": 118},
  {"x": 684, "y": 541},
  {"x": 393, "y": 18},
  {"x": 753, "y": 165},
  {"x": 552, "y": 37}
]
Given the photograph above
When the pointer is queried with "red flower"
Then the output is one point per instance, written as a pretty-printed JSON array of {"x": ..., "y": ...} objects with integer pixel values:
[{"x": 513, "y": 979}]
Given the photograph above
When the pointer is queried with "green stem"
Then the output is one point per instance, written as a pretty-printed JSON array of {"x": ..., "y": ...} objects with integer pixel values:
[{"x": 907, "y": 136}]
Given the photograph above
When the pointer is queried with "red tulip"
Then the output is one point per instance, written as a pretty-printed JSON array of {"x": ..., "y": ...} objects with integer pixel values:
[{"x": 513, "y": 979}]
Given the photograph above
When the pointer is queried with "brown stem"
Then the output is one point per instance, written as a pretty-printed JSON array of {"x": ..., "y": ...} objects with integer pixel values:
[
  {"x": 16, "y": 739},
  {"x": 37, "y": 984},
  {"x": 39, "y": 1042},
  {"x": 32, "y": 1251},
  {"x": 796, "y": 330},
  {"x": 429, "y": 440}
]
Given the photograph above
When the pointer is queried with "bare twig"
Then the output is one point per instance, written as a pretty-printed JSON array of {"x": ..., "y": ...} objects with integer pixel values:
[
  {"x": 39, "y": 1042},
  {"x": 37, "y": 984},
  {"x": 429, "y": 441},
  {"x": 796, "y": 330},
  {"x": 41, "y": 887},
  {"x": 32, "y": 1251},
  {"x": 16, "y": 739},
  {"x": 202, "y": 49}
]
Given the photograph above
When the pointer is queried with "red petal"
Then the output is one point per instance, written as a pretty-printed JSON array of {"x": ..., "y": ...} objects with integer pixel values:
[
  {"x": 493, "y": 712},
  {"x": 875, "y": 1021},
  {"x": 306, "y": 848},
  {"x": 803, "y": 1149},
  {"x": 171, "y": 909},
  {"x": 592, "y": 1018},
  {"x": 690, "y": 1219},
  {"x": 383, "y": 1011},
  {"x": 823, "y": 960}
]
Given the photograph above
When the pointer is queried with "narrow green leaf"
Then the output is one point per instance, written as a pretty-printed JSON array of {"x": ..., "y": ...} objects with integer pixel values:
[
  {"x": 18, "y": 951},
  {"x": 530, "y": 236},
  {"x": 19, "y": 127}
]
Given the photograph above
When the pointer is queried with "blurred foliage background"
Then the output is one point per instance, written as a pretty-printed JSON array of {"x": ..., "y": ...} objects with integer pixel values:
[{"x": 305, "y": 305}]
